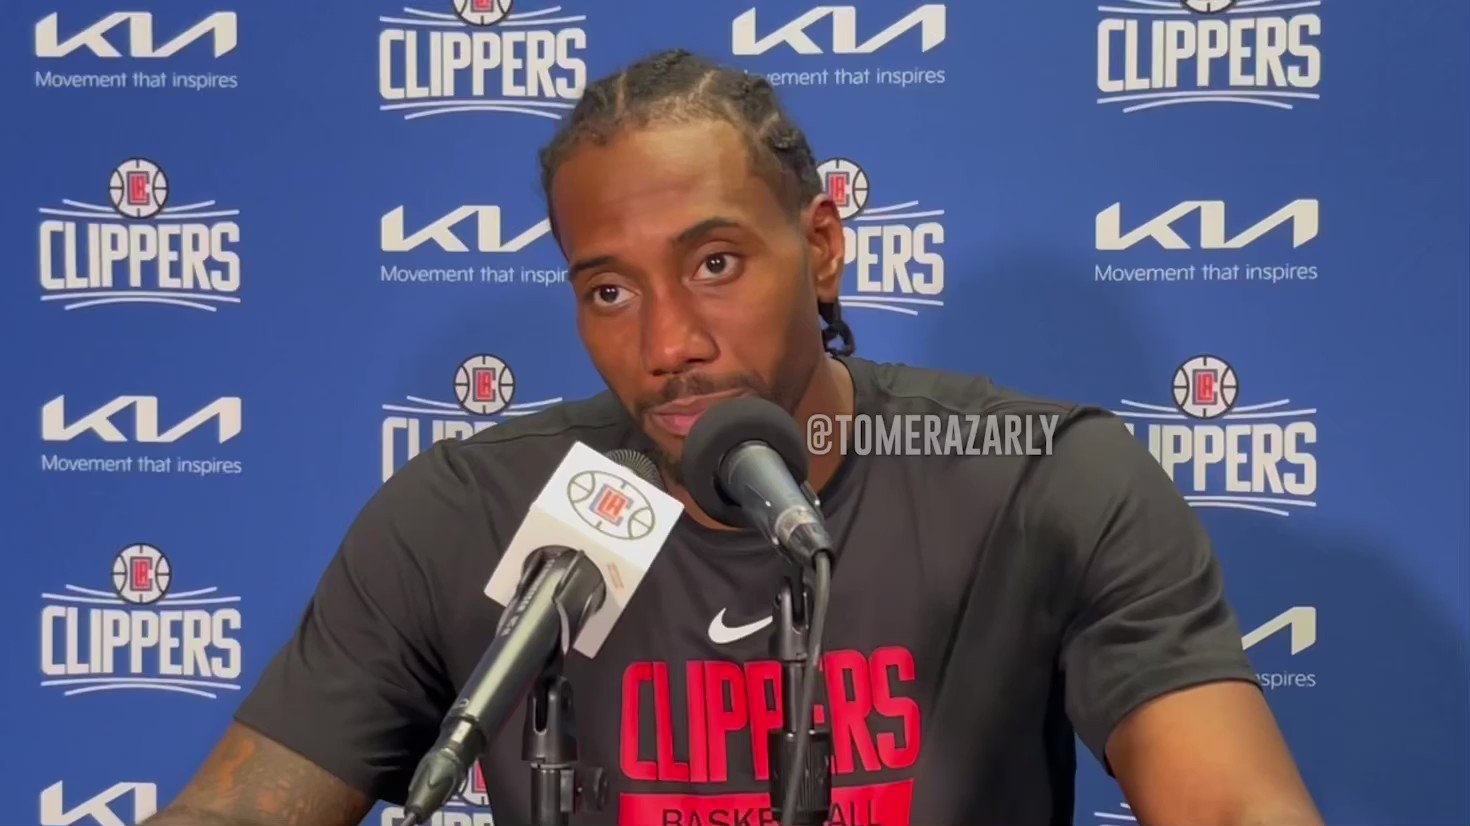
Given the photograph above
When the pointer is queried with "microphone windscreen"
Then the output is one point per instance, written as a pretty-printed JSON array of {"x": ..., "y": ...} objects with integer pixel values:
[
  {"x": 639, "y": 463},
  {"x": 720, "y": 430}
]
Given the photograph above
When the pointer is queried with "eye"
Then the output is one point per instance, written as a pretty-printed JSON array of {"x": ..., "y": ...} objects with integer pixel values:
[
  {"x": 720, "y": 265},
  {"x": 608, "y": 295}
]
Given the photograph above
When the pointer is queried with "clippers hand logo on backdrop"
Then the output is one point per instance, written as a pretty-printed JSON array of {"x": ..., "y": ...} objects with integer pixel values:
[
  {"x": 481, "y": 56},
  {"x": 893, "y": 251},
  {"x": 1247, "y": 461},
  {"x": 1154, "y": 53},
  {"x": 484, "y": 386},
  {"x": 149, "y": 638},
  {"x": 145, "y": 248}
]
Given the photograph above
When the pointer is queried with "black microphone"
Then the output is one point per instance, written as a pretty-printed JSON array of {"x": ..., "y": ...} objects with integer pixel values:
[
  {"x": 745, "y": 464},
  {"x": 559, "y": 589}
]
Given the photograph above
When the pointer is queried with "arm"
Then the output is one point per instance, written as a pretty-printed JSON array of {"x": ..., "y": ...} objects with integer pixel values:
[
  {"x": 340, "y": 716},
  {"x": 250, "y": 780},
  {"x": 1209, "y": 754},
  {"x": 1158, "y": 684}
]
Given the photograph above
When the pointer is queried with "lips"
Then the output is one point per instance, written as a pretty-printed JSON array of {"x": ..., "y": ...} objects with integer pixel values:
[{"x": 678, "y": 417}]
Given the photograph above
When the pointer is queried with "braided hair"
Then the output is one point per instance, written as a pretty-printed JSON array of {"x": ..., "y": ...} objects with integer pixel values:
[{"x": 676, "y": 86}]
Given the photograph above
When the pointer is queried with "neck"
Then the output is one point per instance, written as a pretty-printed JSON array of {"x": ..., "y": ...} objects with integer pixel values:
[{"x": 830, "y": 393}]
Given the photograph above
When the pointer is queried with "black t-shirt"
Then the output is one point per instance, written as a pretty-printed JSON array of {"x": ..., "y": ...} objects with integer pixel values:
[{"x": 984, "y": 610}]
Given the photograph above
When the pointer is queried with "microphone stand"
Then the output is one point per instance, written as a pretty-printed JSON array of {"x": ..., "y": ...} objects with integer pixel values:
[
  {"x": 790, "y": 646},
  {"x": 549, "y": 741},
  {"x": 559, "y": 588}
]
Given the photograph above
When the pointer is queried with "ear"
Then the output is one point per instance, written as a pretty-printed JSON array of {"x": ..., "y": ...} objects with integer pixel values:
[{"x": 825, "y": 245}]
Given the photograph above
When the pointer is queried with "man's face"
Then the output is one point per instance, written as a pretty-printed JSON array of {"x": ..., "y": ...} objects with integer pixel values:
[{"x": 692, "y": 283}]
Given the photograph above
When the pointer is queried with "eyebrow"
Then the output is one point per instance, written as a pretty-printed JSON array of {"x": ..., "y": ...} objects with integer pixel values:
[{"x": 684, "y": 237}]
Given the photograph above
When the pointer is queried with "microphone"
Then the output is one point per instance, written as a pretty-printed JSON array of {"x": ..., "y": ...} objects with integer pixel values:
[
  {"x": 745, "y": 464},
  {"x": 560, "y": 588},
  {"x": 619, "y": 519},
  {"x": 568, "y": 573}
]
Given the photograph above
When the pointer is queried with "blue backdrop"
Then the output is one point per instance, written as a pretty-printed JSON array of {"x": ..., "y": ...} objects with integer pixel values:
[{"x": 250, "y": 245}]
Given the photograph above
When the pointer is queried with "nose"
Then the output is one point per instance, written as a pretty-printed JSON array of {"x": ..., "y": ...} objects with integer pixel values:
[{"x": 675, "y": 337}]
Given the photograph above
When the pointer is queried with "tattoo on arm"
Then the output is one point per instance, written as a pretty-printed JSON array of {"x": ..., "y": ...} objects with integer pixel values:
[{"x": 250, "y": 780}]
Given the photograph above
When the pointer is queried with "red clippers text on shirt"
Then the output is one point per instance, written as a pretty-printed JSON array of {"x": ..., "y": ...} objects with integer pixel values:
[{"x": 725, "y": 711}]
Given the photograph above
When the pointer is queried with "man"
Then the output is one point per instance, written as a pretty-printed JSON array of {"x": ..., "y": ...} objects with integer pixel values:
[{"x": 985, "y": 610}]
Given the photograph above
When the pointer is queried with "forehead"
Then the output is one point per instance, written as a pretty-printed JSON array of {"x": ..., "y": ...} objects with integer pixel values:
[{"x": 648, "y": 184}]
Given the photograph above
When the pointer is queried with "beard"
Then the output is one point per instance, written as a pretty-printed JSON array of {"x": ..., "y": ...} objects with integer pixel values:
[
  {"x": 694, "y": 384},
  {"x": 785, "y": 390}
]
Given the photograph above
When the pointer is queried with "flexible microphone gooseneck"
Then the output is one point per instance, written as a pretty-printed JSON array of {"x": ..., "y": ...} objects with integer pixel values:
[
  {"x": 746, "y": 464},
  {"x": 559, "y": 589},
  {"x": 639, "y": 463}
]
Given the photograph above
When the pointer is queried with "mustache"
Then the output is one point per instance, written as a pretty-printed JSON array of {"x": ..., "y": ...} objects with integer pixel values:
[{"x": 701, "y": 384}]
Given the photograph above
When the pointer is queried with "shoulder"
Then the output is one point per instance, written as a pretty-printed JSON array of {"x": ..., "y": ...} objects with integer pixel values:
[
  {"x": 897, "y": 388},
  {"x": 1072, "y": 453},
  {"x": 500, "y": 469},
  {"x": 897, "y": 385},
  {"x": 529, "y": 441},
  {"x": 454, "y": 507}
]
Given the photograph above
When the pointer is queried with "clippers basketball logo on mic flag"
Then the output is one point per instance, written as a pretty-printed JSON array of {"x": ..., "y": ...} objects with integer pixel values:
[
  {"x": 611, "y": 504},
  {"x": 596, "y": 506}
]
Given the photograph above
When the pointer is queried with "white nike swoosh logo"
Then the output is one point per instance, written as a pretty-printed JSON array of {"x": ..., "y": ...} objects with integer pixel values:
[{"x": 721, "y": 633}]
